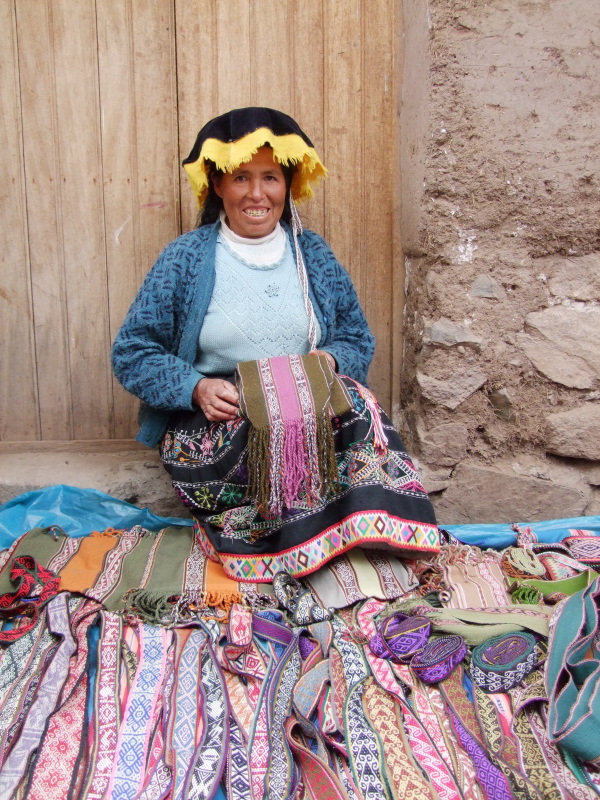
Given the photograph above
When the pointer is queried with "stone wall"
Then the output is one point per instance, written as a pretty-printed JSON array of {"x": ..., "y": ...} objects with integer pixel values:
[{"x": 501, "y": 229}]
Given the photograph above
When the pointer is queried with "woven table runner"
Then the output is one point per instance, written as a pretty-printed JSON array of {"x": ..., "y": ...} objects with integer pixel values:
[
  {"x": 106, "y": 718},
  {"x": 422, "y": 745},
  {"x": 209, "y": 758},
  {"x": 132, "y": 745}
]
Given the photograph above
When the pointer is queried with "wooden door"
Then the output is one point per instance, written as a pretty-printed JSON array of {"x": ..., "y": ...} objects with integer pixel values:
[{"x": 100, "y": 101}]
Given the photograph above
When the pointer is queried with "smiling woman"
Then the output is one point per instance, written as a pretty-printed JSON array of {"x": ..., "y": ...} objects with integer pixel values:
[
  {"x": 250, "y": 351},
  {"x": 253, "y": 195}
]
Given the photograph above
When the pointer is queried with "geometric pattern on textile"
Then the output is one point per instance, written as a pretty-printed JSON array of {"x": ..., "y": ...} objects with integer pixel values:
[
  {"x": 282, "y": 772},
  {"x": 106, "y": 705},
  {"x": 45, "y": 701},
  {"x": 490, "y": 777},
  {"x": 238, "y": 771},
  {"x": 130, "y": 762},
  {"x": 188, "y": 680},
  {"x": 210, "y": 755},
  {"x": 56, "y": 759},
  {"x": 364, "y": 748},
  {"x": 360, "y": 529},
  {"x": 22, "y": 668},
  {"x": 383, "y": 713}
]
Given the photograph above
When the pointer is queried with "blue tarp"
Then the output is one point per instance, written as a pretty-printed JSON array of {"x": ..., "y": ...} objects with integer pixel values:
[
  {"x": 77, "y": 511},
  {"x": 500, "y": 535},
  {"x": 80, "y": 511}
]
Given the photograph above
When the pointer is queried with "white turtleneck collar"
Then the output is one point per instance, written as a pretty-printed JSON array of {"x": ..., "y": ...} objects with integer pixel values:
[{"x": 264, "y": 250}]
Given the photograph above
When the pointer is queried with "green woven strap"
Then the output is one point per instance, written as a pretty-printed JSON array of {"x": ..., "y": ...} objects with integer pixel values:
[
  {"x": 573, "y": 675},
  {"x": 568, "y": 586}
]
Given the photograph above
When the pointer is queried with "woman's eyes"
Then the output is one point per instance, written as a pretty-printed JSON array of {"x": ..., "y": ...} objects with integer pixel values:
[{"x": 242, "y": 178}]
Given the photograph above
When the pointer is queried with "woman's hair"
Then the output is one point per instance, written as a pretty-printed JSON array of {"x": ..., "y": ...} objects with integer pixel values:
[{"x": 213, "y": 205}]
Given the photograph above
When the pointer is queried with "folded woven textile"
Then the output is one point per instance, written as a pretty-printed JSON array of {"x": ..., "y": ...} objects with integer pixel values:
[
  {"x": 289, "y": 401},
  {"x": 159, "y": 576}
]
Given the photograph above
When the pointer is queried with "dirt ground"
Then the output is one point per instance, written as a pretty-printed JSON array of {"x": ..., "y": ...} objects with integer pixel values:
[{"x": 505, "y": 241}]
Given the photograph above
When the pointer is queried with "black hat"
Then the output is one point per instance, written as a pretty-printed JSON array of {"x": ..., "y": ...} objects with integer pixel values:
[{"x": 235, "y": 137}]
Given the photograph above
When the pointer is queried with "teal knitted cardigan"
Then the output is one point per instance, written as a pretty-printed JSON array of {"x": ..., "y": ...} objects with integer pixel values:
[{"x": 154, "y": 351}]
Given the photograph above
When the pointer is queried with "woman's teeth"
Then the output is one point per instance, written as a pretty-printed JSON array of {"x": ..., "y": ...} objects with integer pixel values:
[{"x": 256, "y": 212}]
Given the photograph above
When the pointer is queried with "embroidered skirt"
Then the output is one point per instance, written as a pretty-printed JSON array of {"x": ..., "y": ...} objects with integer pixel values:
[{"x": 379, "y": 501}]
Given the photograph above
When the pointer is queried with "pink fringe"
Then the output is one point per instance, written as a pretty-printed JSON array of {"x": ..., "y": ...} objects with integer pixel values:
[
  {"x": 380, "y": 440},
  {"x": 294, "y": 472}
]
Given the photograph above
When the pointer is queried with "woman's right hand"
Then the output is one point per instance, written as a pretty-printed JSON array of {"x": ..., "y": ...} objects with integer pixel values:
[{"x": 218, "y": 399}]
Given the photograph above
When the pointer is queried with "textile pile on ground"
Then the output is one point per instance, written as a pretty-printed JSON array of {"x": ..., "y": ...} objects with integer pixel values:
[{"x": 131, "y": 667}]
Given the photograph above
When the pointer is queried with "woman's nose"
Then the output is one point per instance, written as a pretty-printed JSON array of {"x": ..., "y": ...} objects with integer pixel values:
[{"x": 256, "y": 189}]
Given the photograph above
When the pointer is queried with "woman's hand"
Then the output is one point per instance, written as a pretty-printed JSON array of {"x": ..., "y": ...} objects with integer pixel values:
[
  {"x": 217, "y": 398},
  {"x": 327, "y": 355}
]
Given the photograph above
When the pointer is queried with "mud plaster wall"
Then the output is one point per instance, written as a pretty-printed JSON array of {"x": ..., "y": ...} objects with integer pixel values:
[{"x": 501, "y": 231}]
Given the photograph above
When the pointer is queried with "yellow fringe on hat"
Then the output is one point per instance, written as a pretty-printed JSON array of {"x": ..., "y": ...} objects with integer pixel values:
[{"x": 287, "y": 149}]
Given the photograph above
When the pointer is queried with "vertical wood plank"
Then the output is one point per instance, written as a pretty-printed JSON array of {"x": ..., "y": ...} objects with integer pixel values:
[
  {"x": 343, "y": 132},
  {"x": 119, "y": 161},
  {"x": 308, "y": 84},
  {"x": 45, "y": 214},
  {"x": 271, "y": 79},
  {"x": 233, "y": 54},
  {"x": 155, "y": 73},
  {"x": 197, "y": 84},
  {"x": 18, "y": 414},
  {"x": 78, "y": 133},
  {"x": 378, "y": 137}
]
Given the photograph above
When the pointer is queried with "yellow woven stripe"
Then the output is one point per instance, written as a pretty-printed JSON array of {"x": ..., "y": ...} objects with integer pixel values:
[{"x": 287, "y": 149}]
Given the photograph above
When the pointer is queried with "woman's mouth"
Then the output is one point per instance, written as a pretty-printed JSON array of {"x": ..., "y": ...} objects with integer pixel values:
[{"x": 256, "y": 212}]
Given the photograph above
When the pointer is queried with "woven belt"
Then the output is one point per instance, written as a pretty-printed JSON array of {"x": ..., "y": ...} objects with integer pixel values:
[
  {"x": 439, "y": 658},
  {"x": 399, "y": 637},
  {"x": 35, "y": 586},
  {"x": 502, "y": 662},
  {"x": 573, "y": 675}
]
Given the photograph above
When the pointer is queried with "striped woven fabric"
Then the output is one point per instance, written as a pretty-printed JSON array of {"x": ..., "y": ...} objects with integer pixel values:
[{"x": 289, "y": 401}]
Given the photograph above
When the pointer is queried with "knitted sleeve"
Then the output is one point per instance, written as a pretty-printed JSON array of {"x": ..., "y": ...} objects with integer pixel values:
[
  {"x": 146, "y": 352},
  {"x": 347, "y": 335}
]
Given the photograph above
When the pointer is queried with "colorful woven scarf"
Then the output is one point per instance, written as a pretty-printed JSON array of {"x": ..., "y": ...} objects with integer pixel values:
[
  {"x": 289, "y": 401},
  {"x": 502, "y": 662}
]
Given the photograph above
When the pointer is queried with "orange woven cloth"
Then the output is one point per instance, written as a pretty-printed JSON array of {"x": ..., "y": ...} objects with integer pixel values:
[{"x": 159, "y": 577}]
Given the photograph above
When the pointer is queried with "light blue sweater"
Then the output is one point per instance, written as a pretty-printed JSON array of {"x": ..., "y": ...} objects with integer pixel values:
[
  {"x": 256, "y": 311},
  {"x": 154, "y": 352}
]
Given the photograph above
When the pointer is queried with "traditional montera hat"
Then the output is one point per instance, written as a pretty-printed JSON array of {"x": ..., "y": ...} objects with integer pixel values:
[{"x": 235, "y": 137}]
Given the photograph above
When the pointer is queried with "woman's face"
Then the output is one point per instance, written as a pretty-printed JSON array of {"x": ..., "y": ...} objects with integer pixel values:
[{"x": 253, "y": 195}]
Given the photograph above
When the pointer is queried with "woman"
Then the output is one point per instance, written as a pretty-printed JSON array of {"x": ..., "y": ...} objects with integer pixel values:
[{"x": 249, "y": 284}]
